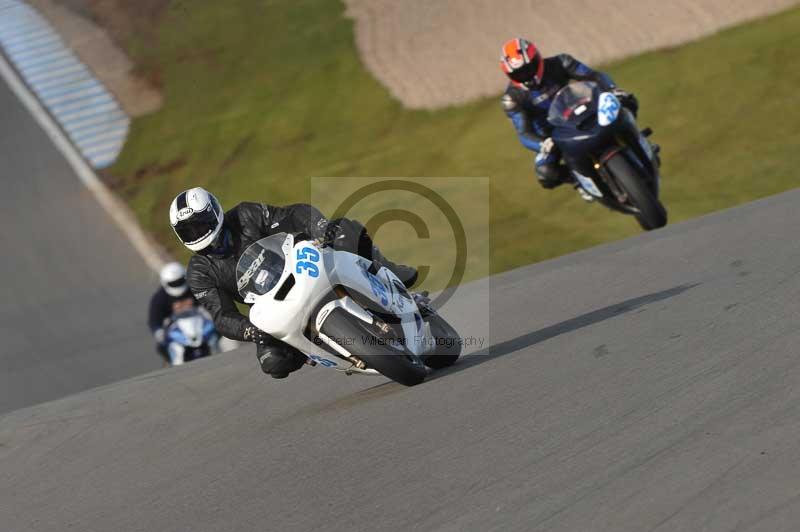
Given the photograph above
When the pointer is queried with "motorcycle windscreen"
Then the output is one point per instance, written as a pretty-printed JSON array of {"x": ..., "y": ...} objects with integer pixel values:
[
  {"x": 571, "y": 102},
  {"x": 260, "y": 267}
]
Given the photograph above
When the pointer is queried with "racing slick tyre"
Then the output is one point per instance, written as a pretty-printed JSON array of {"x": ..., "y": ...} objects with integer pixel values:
[
  {"x": 651, "y": 213},
  {"x": 448, "y": 345},
  {"x": 392, "y": 361}
]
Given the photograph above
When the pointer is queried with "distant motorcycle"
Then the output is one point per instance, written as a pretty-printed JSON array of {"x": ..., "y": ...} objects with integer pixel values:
[
  {"x": 190, "y": 335},
  {"x": 611, "y": 159},
  {"x": 342, "y": 311}
]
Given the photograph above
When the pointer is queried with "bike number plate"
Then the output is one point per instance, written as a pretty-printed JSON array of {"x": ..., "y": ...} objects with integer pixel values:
[
  {"x": 588, "y": 185},
  {"x": 322, "y": 361},
  {"x": 607, "y": 109}
]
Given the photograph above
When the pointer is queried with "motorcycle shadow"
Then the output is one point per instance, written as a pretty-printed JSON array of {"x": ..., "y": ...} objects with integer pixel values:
[{"x": 532, "y": 338}]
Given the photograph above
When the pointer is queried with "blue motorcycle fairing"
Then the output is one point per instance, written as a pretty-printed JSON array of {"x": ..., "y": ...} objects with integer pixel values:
[{"x": 585, "y": 143}]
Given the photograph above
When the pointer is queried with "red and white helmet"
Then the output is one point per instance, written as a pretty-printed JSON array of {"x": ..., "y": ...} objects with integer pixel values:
[{"x": 523, "y": 63}]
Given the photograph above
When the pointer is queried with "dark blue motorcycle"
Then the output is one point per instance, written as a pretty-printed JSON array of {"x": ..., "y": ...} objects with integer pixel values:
[{"x": 611, "y": 159}]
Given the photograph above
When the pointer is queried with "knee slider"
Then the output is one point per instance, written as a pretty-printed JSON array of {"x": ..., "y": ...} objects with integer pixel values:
[
  {"x": 278, "y": 361},
  {"x": 549, "y": 175}
]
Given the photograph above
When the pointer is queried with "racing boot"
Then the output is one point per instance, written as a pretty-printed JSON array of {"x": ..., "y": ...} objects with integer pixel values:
[
  {"x": 571, "y": 179},
  {"x": 423, "y": 302},
  {"x": 588, "y": 198},
  {"x": 407, "y": 274}
]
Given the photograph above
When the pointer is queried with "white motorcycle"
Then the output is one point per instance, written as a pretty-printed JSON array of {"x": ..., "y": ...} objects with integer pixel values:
[{"x": 342, "y": 311}]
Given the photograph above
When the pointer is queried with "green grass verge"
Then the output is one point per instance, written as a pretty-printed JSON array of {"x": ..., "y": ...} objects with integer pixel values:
[{"x": 260, "y": 96}]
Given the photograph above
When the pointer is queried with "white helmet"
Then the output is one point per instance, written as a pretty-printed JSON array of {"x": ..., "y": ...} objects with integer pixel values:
[
  {"x": 173, "y": 279},
  {"x": 196, "y": 216}
]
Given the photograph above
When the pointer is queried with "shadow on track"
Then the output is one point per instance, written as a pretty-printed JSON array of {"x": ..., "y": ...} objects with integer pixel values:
[
  {"x": 584, "y": 320},
  {"x": 386, "y": 389}
]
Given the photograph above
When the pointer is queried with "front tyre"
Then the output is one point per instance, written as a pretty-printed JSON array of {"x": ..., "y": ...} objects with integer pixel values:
[
  {"x": 395, "y": 363},
  {"x": 448, "y": 344},
  {"x": 651, "y": 213}
]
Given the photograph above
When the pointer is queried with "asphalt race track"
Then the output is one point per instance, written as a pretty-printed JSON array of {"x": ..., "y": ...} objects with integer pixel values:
[
  {"x": 646, "y": 385},
  {"x": 74, "y": 292}
]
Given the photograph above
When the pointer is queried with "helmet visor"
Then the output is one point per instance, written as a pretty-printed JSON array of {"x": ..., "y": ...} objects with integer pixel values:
[
  {"x": 177, "y": 283},
  {"x": 199, "y": 225},
  {"x": 527, "y": 72}
]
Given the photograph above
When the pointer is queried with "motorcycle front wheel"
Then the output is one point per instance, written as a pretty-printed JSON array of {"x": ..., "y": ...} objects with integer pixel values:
[
  {"x": 650, "y": 214},
  {"x": 448, "y": 344},
  {"x": 385, "y": 355}
]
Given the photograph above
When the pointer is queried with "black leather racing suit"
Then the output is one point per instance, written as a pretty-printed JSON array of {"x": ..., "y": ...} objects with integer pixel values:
[
  {"x": 213, "y": 279},
  {"x": 528, "y": 110}
]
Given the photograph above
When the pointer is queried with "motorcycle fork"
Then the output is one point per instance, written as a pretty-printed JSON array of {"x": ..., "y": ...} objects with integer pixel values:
[{"x": 600, "y": 167}]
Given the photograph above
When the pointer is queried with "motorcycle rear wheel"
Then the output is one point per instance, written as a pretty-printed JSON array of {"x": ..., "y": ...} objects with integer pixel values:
[
  {"x": 396, "y": 363},
  {"x": 651, "y": 213}
]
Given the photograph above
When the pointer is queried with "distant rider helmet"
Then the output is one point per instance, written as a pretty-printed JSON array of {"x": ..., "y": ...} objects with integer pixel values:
[
  {"x": 173, "y": 279},
  {"x": 197, "y": 218},
  {"x": 522, "y": 62}
]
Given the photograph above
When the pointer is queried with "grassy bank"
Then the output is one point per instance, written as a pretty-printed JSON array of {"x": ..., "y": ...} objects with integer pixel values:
[{"x": 260, "y": 96}]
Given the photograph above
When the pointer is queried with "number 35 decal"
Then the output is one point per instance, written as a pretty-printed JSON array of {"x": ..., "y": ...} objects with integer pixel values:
[{"x": 306, "y": 258}]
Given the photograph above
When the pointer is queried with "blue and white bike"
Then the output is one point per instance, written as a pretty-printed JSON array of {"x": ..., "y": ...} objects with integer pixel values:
[
  {"x": 611, "y": 160},
  {"x": 190, "y": 334},
  {"x": 342, "y": 311}
]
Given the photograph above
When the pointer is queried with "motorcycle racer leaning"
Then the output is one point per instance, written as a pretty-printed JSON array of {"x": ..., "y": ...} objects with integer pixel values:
[
  {"x": 526, "y": 101},
  {"x": 219, "y": 238}
]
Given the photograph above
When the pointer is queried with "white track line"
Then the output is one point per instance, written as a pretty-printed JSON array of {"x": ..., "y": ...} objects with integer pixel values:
[{"x": 118, "y": 211}]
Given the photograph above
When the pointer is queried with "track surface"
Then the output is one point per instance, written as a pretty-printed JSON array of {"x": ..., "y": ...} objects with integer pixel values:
[
  {"x": 74, "y": 292},
  {"x": 646, "y": 385}
]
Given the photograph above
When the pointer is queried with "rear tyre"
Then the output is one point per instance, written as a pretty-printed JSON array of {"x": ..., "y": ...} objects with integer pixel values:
[
  {"x": 395, "y": 363},
  {"x": 651, "y": 213},
  {"x": 448, "y": 346}
]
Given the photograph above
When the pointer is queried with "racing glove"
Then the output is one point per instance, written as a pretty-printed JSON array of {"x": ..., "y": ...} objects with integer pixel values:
[
  {"x": 160, "y": 335},
  {"x": 626, "y": 99},
  {"x": 331, "y": 232},
  {"x": 546, "y": 147},
  {"x": 256, "y": 335}
]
